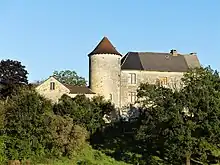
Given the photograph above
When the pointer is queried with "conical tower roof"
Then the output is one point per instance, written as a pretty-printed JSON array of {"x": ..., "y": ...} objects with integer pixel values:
[{"x": 105, "y": 47}]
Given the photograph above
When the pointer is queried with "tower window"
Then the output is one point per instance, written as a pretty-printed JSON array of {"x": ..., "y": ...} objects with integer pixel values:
[
  {"x": 52, "y": 85},
  {"x": 132, "y": 97},
  {"x": 132, "y": 79}
]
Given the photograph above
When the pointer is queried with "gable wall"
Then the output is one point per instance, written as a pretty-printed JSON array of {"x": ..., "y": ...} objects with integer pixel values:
[{"x": 54, "y": 95}]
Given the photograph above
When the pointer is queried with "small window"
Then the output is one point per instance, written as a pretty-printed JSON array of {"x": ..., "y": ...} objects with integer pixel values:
[
  {"x": 162, "y": 81},
  {"x": 132, "y": 97},
  {"x": 132, "y": 79},
  {"x": 52, "y": 86},
  {"x": 111, "y": 97}
]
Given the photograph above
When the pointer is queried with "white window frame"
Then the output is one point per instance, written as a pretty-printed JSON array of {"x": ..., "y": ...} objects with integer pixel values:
[{"x": 132, "y": 78}]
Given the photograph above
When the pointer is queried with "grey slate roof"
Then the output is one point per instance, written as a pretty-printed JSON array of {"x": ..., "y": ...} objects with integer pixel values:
[{"x": 164, "y": 62}]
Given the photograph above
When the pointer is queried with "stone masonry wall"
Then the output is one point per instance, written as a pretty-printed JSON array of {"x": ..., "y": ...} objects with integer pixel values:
[
  {"x": 105, "y": 70},
  {"x": 87, "y": 95},
  {"x": 54, "y": 95},
  {"x": 174, "y": 81}
]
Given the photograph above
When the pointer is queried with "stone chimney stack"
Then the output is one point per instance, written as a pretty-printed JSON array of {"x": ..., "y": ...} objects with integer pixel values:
[{"x": 174, "y": 52}]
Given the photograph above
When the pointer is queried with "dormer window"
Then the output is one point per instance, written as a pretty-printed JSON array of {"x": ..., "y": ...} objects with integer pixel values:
[{"x": 52, "y": 85}]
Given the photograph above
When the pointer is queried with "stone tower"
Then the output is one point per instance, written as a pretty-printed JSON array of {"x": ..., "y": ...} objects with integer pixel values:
[{"x": 105, "y": 71}]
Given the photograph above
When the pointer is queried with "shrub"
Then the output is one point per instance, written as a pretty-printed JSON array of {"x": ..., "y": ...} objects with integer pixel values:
[
  {"x": 66, "y": 138},
  {"x": 83, "y": 111},
  {"x": 24, "y": 125}
]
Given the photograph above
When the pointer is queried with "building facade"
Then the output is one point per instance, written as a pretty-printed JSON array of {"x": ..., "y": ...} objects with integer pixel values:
[{"x": 117, "y": 77}]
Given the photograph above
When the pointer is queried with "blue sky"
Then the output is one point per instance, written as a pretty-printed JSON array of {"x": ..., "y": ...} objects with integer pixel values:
[{"x": 48, "y": 35}]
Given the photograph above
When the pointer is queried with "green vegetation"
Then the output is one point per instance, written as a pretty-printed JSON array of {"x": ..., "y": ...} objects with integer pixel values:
[
  {"x": 87, "y": 156},
  {"x": 174, "y": 127},
  {"x": 69, "y": 77}
]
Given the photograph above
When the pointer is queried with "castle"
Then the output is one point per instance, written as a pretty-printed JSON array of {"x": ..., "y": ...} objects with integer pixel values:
[{"x": 117, "y": 77}]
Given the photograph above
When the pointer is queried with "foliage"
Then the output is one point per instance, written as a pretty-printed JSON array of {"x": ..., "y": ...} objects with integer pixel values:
[
  {"x": 182, "y": 124},
  {"x": 83, "y": 111},
  {"x": 87, "y": 156},
  {"x": 69, "y": 77},
  {"x": 66, "y": 137},
  {"x": 2, "y": 136},
  {"x": 118, "y": 140},
  {"x": 24, "y": 125},
  {"x": 33, "y": 130},
  {"x": 12, "y": 74}
]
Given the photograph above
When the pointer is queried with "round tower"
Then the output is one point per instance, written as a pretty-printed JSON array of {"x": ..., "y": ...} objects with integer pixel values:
[{"x": 105, "y": 71}]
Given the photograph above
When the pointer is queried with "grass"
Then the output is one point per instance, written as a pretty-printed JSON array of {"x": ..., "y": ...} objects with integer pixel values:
[{"x": 87, "y": 156}]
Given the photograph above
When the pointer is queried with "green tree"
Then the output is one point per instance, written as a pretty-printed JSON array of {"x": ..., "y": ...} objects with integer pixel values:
[
  {"x": 12, "y": 75},
  {"x": 66, "y": 137},
  {"x": 83, "y": 111},
  {"x": 69, "y": 77},
  {"x": 25, "y": 125},
  {"x": 2, "y": 137},
  {"x": 183, "y": 125}
]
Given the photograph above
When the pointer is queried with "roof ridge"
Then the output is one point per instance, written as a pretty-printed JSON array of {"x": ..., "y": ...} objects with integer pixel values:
[{"x": 159, "y": 53}]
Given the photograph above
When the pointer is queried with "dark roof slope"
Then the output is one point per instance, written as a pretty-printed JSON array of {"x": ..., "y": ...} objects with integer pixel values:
[
  {"x": 164, "y": 62},
  {"x": 78, "y": 89},
  {"x": 131, "y": 61},
  {"x": 105, "y": 47}
]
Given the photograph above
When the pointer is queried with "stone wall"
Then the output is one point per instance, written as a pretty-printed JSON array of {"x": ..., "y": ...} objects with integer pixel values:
[
  {"x": 54, "y": 95},
  {"x": 174, "y": 81},
  {"x": 105, "y": 70},
  {"x": 87, "y": 95}
]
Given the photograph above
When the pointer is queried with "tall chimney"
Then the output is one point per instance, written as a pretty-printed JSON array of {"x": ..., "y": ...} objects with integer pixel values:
[{"x": 174, "y": 52}]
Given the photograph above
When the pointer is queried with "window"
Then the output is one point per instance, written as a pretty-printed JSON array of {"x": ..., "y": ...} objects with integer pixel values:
[
  {"x": 162, "y": 81},
  {"x": 132, "y": 97},
  {"x": 132, "y": 78},
  {"x": 111, "y": 97},
  {"x": 52, "y": 85}
]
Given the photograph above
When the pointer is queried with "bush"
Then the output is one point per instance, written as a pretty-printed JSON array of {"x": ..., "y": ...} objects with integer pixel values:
[
  {"x": 66, "y": 138},
  {"x": 85, "y": 112},
  {"x": 2, "y": 136},
  {"x": 24, "y": 125},
  {"x": 33, "y": 130}
]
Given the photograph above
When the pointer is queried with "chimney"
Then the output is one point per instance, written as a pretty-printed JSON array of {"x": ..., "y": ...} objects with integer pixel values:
[
  {"x": 193, "y": 53},
  {"x": 174, "y": 52}
]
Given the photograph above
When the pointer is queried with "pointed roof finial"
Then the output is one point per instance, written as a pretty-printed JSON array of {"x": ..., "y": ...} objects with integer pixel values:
[{"x": 105, "y": 47}]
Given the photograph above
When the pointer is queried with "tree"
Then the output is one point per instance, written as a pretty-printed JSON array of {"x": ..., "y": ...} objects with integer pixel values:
[
  {"x": 12, "y": 72},
  {"x": 69, "y": 77},
  {"x": 65, "y": 136},
  {"x": 25, "y": 125},
  {"x": 12, "y": 75},
  {"x": 83, "y": 111},
  {"x": 183, "y": 124}
]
